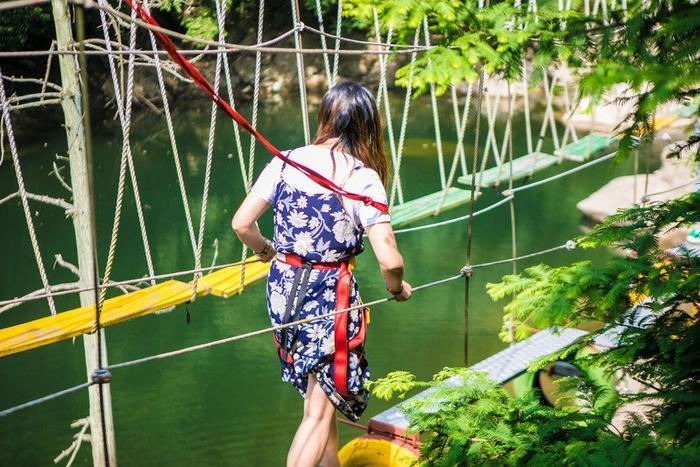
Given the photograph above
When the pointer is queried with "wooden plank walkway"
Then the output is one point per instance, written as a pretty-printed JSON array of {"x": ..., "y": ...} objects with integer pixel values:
[
  {"x": 420, "y": 208},
  {"x": 43, "y": 331},
  {"x": 500, "y": 367},
  {"x": 585, "y": 147},
  {"x": 523, "y": 167}
]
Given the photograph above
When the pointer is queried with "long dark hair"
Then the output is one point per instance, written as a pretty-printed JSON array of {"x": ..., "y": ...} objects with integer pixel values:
[{"x": 348, "y": 112}]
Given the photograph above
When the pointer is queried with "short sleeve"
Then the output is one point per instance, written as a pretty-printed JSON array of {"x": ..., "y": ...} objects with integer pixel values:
[
  {"x": 373, "y": 187},
  {"x": 266, "y": 184}
]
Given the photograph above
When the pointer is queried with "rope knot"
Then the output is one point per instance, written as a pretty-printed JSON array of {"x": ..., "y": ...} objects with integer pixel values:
[
  {"x": 466, "y": 271},
  {"x": 101, "y": 376},
  {"x": 300, "y": 26},
  {"x": 570, "y": 245}
]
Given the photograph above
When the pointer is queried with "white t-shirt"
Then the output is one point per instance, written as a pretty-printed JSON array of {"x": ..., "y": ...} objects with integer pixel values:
[{"x": 362, "y": 180}]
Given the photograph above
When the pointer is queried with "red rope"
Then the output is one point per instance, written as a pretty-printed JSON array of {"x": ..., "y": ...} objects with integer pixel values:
[{"x": 192, "y": 71}]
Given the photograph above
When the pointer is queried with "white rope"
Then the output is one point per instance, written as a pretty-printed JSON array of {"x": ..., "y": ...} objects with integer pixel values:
[
  {"x": 461, "y": 123},
  {"x": 72, "y": 287},
  {"x": 322, "y": 36},
  {"x": 526, "y": 106},
  {"x": 254, "y": 121},
  {"x": 491, "y": 142},
  {"x": 338, "y": 30},
  {"x": 434, "y": 107},
  {"x": 300, "y": 74},
  {"x": 23, "y": 194},
  {"x": 125, "y": 120},
  {"x": 171, "y": 135},
  {"x": 232, "y": 100},
  {"x": 569, "y": 245},
  {"x": 455, "y": 219},
  {"x": 383, "y": 95},
  {"x": 404, "y": 124},
  {"x": 459, "y": 149},
  {"x": 209, "y": 159},
  {"x": 560, "y": 175}
]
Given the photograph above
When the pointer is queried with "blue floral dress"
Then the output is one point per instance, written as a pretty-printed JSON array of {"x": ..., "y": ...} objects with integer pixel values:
[{"x": 316, "y": 228}]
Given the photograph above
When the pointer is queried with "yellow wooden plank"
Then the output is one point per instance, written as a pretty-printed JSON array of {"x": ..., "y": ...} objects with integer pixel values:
[
  {"x": 224, "y": 282},
  {"x": 227, "y": 282},
  {"x": 81, "y": 320}
]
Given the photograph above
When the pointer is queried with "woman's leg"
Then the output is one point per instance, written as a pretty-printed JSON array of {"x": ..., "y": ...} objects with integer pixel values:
[
  {"x": 311, "y": 437},
  {"x": 330, "y": 453}
]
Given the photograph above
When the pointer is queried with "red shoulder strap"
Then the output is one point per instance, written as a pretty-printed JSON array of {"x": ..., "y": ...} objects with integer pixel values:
[{"x": 192, "y": 71}]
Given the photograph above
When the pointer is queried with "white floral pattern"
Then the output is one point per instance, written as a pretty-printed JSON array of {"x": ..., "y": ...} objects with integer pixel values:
[{"x": 317, "y": 228}]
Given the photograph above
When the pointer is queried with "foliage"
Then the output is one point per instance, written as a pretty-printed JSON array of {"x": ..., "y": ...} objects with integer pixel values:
[
  {"x": 25, "y": 28},
  {"x": 652, "y": 48},
  {"x": 471, "y": 420}
]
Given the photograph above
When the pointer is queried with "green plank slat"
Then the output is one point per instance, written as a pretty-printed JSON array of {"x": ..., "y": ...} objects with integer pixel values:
[
  {"x": 420, "y": 208},
  {"x": 585, "y": 147},
  {"x": 522, "y": 167}
]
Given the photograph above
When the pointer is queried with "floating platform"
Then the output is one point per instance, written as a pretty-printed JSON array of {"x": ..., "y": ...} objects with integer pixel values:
[
  {"x": 585, "y": 147},
  {"x": 425, "y": 206},
  {"x": 500, "y": 367},
  {"x": 43, "y": 331},
  {"x": 523, "y": 167}
]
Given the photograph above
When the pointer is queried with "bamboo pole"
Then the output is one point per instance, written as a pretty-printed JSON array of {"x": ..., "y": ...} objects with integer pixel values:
[{"x": 71, "y": 103}]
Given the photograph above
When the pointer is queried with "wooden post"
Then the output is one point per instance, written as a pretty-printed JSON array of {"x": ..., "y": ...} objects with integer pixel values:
[{"x": 71, "y": 103}]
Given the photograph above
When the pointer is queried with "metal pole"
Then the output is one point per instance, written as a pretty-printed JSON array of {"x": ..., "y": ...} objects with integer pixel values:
[{"x": 78, "y": 147}]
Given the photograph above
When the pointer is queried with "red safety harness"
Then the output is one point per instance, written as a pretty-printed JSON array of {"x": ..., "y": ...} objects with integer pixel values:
[
  {"x": 192, "y": 71},
  {"x": 343, "y": 345}
]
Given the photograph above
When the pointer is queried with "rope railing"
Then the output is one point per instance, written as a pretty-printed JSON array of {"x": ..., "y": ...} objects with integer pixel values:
[
  {"x": 227, "y": 47},
  {"x": 509, "y": 194},
  {"x": 467, "y": 270},
  {"x": 117, "y": 284}
]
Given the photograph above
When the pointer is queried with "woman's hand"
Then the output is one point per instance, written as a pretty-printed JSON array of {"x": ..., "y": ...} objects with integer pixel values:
[
  {"x": 266, "y": 254},
  {"x": 405, "y": 293}
]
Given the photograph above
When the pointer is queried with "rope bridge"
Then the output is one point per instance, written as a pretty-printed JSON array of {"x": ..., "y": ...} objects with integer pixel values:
[{"x": 231, "y": 279}]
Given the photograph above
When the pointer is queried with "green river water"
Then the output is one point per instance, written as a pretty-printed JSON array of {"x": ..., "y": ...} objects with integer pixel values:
[{"x": 227, "y": 405}]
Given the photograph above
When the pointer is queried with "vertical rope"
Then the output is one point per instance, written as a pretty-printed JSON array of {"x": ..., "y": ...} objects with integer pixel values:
[
  {"x": 461, "y": 127},
  {"x": 526, "y": 105},
  {"x": 254, "y": 122},
  {"x": 210, "y": 157},
  {"x": 470, "y": 219},
  {"x": 232, "y": 100},
  {"x": 383, "y": 93},
  {"x": 125, "y": 120},
  {"x": 511, "y": 203},
  {"x": 296, "y": 18},
  {"x": 404, "y": 124},
  {"x": 338, "y": 30},
  {"x": 434, "y": 107},
  {"x": 23, "y": 195},
  {"x": 171, "y": 135},
  {"x": 326, "y": 63}
]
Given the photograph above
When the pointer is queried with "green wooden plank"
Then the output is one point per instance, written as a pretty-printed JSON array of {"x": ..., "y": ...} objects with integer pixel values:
[
  {"x": 585, "y": 147},
  {"x": 420, "y": 208},
  {"x": 522, "y": 167}
]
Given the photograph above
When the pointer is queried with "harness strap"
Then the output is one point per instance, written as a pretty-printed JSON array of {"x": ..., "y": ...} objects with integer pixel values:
[
  {"x": 300, "y": 285},
  {"x": 343, "y": 345},
  {"x": 190, "y": 70},
  {"x": 340, "y": 357}
]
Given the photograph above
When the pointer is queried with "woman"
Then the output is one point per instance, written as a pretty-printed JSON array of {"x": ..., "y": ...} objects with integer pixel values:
[{"x": 316, "y": 235}]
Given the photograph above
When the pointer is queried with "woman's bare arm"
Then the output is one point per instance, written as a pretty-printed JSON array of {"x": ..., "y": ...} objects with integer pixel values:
[
  {"x": 381, "y": 236},
  {"x": 244, "y": 223}
]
